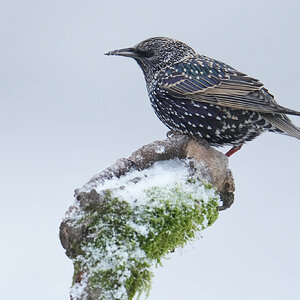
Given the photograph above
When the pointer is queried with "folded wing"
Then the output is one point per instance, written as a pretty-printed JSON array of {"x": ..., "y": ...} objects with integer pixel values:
[{"x": 210, "y": 81}]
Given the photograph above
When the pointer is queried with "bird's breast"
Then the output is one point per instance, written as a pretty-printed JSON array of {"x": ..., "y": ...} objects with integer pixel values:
[{"x": 218, "y": 125}]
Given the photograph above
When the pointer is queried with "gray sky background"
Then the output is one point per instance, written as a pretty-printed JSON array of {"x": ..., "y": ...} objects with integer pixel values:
[{"x": 67, "y": 111}]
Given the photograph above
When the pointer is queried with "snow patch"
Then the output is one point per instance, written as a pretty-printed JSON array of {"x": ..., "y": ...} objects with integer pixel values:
[
  {"x": 131, "y": 186},
  {"x": 78, "y": 290},
  {"x": 167, "y": 187},
  {"x": 160, "y": 150}
]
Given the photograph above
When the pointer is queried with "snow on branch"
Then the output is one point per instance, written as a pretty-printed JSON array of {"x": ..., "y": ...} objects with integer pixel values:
[{"x": 127, "y": 218}]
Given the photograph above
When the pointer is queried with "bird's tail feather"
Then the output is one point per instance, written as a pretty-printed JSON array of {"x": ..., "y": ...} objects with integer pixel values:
[
  {"x": 284, "y": 124},
  {"x": 288, "y": 111}
]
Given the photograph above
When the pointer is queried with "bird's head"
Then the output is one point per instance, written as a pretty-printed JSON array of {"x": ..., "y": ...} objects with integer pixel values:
[{"x": 156, "y": 53}]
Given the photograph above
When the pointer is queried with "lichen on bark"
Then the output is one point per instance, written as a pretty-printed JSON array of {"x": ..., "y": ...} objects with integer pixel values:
[
  {"x": 126, "y": 219},
  {"x": 127, "y": 238}
]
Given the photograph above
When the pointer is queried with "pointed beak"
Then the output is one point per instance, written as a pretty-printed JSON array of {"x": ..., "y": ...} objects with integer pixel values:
[{"x": 128, "y": 52}]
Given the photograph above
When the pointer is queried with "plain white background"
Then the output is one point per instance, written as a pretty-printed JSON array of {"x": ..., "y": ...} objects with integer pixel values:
[{"x": 67, "y": 112}]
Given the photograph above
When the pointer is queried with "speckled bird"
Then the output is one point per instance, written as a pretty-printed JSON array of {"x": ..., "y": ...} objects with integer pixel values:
[{"x": 203, "y": 97}]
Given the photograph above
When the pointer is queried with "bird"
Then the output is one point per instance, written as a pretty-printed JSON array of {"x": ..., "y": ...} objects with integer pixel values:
[{"x": 195, "y": 95}]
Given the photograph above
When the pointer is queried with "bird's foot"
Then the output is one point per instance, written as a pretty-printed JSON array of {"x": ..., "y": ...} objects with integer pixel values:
[
  {"x": 233, "y": 150},
  {"x": 172, "y": 133}
]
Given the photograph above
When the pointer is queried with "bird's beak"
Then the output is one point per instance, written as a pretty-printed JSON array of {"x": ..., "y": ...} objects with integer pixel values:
[{"x": 128, "y": 52}]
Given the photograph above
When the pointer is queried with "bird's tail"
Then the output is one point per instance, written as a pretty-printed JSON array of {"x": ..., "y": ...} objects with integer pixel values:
[
  {"x": 284, "y": 124},
  {"x": 288, "y": 111}
]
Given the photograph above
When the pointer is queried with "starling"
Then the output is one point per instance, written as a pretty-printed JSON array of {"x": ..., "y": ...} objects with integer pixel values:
[{"x": 199, "y": 96}]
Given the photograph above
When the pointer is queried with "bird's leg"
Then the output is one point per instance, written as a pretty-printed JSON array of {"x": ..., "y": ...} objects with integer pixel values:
[{"x": 233, "y": 150}]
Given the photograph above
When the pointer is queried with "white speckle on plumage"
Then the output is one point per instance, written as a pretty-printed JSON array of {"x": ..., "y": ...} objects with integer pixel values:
[{"x": 179, "y": 94}]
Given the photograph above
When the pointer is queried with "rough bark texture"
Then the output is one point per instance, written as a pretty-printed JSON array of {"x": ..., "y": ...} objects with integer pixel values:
[{"x": 205, "y": 162}]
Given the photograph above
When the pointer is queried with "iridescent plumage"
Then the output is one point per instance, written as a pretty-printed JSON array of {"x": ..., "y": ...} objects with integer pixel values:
[{"x": 199, "y": 96}]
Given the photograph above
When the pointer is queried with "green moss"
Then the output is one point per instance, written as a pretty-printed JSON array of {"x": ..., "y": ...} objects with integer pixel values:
[{"x": 126, "y": 239}]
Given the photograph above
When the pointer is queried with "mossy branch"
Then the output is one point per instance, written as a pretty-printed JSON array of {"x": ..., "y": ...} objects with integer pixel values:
[{"x": 114, "y": 241}]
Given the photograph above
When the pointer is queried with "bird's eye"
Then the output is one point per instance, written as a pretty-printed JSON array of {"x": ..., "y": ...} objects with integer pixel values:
[
  {"x": 145, "y": 53},
  {"x": 148, "y": 53}
]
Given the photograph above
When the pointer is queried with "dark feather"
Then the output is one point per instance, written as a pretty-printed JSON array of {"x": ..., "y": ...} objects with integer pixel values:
[
  {"x": 210, "y": 81},
  {"x": 284, "y": 124}
]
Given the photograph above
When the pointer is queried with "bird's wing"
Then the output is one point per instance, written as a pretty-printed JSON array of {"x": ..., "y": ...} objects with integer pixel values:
[{"x": 207, "y": 80}]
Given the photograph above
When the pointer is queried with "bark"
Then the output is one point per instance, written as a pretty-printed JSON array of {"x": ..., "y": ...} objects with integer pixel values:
[{"x": 204, "y": 161}]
